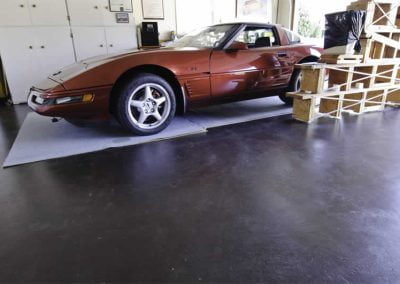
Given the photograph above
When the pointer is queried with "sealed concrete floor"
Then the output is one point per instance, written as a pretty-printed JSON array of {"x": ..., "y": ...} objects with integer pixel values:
[{"x": 267, "y": 201}]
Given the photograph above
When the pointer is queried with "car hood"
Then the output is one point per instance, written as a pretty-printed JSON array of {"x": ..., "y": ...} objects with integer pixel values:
[{"x": 75, "y": 69}]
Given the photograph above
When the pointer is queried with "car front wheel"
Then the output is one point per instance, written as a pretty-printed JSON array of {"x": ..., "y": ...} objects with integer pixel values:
[{"x": 146, "y": 105}]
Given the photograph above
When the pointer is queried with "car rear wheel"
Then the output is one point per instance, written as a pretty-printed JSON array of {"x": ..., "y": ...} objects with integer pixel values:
[
  {"x": 146, "y": 105},
  {"x": 294, "y": 86}
]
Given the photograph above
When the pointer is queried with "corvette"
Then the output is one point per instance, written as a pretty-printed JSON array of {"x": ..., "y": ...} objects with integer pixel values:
[{"x": 145, "y": 89}]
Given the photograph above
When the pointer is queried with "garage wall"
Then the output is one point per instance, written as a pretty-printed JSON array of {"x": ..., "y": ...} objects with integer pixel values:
[
  {"x": 165, "y": 26},
  {"x": 283, "y": 12},
  {"x": 223, "y": 11},
  {"x": 183, "y": 16},
  {"x": 192, "y": 14}
]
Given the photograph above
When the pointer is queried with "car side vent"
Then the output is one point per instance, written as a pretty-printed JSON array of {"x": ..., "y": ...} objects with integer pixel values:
[{"x": 189, "y": 89}]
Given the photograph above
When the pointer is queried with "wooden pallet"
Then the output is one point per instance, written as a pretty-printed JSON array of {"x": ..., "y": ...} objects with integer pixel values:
[
  {"x": 356, "y": 88},
  {"x": 380, "y": 13},
  {"x": 382, "y": 47},
  {"x": 341, "y": 58},
  {"x": 380, "y": 40},
  {"x": 353, "y": 86}
]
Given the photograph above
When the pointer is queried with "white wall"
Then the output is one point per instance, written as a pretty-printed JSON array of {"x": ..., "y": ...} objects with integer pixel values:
[
  {"x": 193, "y": 14},
  {"x": 223, "y": 11},
  {"x": 282, "y": 11},
  {"x": 164, "y": 26},
  {"x": 183, "y": 16}
]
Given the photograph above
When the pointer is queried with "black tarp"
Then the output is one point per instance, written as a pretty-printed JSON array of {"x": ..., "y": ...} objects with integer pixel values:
[{"x": 344, "y": 28}]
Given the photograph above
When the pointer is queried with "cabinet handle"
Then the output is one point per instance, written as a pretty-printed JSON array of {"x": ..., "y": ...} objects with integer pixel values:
[
  {"x": 30, "y": 47},
  {"x": 101, "y": 45},
  {"x": 111, "y": 45},
  {"x": 42, "y": 47},
  {"x": 106, "y": 7},
  {"x": 34, "y": 5},
  {"x": 96, "y": 7},
  {"x": 22, "y": 5}
]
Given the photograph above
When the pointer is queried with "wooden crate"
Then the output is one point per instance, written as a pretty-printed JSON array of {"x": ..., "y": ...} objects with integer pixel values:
[
  {"x": 312, "y": 79},
  {"x": 380, "y": 13},
  {"x": 351, "y": 87},
  {"x": 381, "y": 47}
]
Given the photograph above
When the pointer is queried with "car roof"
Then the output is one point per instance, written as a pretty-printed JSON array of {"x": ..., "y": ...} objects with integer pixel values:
[{"x": 245, "y": 23}]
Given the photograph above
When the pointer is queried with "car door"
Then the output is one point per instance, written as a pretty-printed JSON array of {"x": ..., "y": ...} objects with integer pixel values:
[{"x": 260, "y": 68}]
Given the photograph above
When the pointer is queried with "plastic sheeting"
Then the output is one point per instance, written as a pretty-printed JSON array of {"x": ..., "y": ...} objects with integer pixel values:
[{"x": 344, "y": 28}]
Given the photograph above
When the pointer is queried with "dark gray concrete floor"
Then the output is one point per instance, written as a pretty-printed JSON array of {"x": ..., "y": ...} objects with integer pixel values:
[{"x": 266, "y": 201}]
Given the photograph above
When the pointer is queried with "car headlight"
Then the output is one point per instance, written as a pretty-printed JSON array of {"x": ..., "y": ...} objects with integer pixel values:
[
  {"x": 37, "y": 98},
  {"x": 74, "y": 99}
]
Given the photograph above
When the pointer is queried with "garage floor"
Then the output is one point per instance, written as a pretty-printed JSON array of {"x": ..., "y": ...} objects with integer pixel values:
[{"x": 272, "y": 200}]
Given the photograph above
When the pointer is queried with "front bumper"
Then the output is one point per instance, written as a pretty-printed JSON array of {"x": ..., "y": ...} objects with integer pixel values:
[{"x": 70, "y": 104}]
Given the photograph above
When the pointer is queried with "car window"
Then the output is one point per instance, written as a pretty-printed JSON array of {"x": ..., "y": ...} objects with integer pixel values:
[
  {"x": 292, "y": 37},
  {"x": 207, "y": 37},
  {"x": 256, "y": 37}
]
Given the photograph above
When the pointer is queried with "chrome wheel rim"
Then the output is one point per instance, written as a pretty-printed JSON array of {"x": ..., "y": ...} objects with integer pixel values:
[{"x": 149, "y": 106}]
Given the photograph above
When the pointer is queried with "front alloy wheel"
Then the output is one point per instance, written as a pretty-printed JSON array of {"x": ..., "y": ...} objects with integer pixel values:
[
  {"x": 149, "y": 106},
  {"x": 145, "y": 105}
]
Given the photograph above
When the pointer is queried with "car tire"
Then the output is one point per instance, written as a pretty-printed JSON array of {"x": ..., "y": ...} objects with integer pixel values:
[
  {"x": 145, "y": 104},
  {"x": 294, "y": 86}
]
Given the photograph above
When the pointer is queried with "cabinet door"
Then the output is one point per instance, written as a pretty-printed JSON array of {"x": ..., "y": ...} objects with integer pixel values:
[
  {"x": 87, "y": 12},
  {"x": 55, "y": 49},
  {"x": 48, "y": 12},
  {"x": 89, "y": 42},
  {"x": 121, "y": 38},
  {"x": 17, "y": 49},
  {"x": 14, "y": 13}
]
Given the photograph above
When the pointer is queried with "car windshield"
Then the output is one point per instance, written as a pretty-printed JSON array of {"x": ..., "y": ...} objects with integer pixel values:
[{"x": 208, "y": 37}]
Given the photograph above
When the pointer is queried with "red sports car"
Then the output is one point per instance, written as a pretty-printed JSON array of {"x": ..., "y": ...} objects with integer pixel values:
[{"x": 144, "y": 89}]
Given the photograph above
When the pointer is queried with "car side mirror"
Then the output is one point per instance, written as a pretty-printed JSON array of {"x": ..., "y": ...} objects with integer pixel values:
[{"x": 236, "y": 46}]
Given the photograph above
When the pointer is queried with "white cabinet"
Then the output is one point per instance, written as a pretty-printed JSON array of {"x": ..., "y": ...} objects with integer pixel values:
[
  {"x": 89, "y": 42},
  {"x": 30, "y": 54},
  {"x": 87, "y": 12},
  {"x": 48, "y": 12},
  {"x": 14, "y": 13},
  {"x": 35, "y": 37},
  {"x": 17, "y": 48},
  {"x": 93, "y": 13},
  {"x": 120, "y": 38},
  {"x": 33, "y": 13},
  {"x": 94, "y": 41},
  {"x": 54, "y": 49}
]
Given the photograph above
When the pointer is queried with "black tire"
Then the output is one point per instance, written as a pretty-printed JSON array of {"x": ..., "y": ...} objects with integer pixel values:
[
  {"x": 294, "y": 86},
  {"x": 125, "y": 113}
]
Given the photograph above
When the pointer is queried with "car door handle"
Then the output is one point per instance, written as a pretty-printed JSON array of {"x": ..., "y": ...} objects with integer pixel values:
[{"x": 282, "y": 54}]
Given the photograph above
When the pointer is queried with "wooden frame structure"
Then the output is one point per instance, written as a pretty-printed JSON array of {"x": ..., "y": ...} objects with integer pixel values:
[
  {"x": 352, "y": 88},
  {"x": 369, "y": 81},
  {"x": 381, "y": 37}
]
